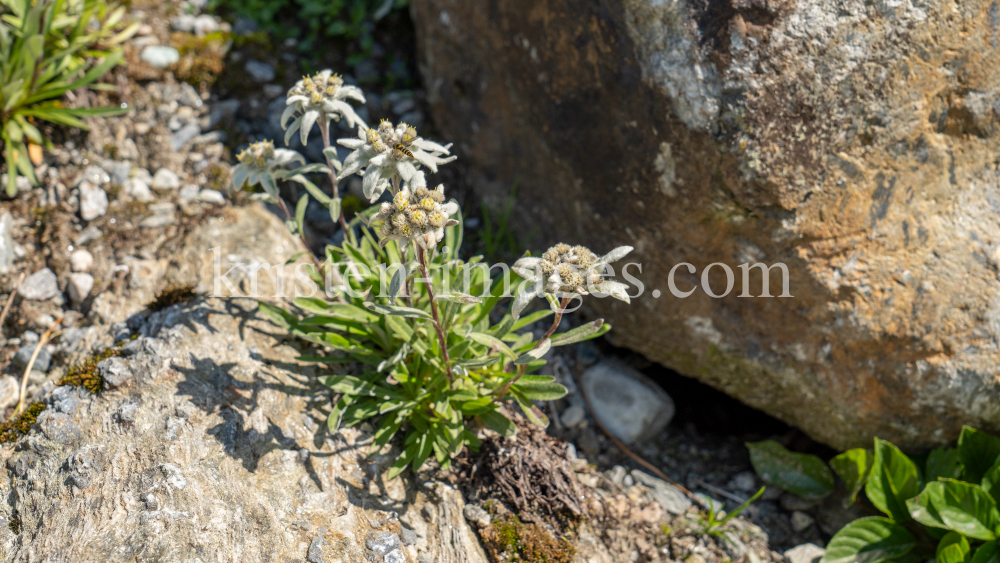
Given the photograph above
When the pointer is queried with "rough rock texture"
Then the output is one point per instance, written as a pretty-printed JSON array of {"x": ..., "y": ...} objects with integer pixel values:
[
  {"x": 216, "y": 449},
  {"x": 854, "y": 141}
]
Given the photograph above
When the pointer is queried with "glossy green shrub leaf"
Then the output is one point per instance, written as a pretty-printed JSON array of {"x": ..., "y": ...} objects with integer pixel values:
[
  {"x": 989, "y": 552},
  {"x": 853, "y": 467},
  {"x": 953, "y": 548},
  {"x": 978, "y": 451},
  {"x": 869, "y": 540},
  {"x": 801, "y": 474},
  {"x": 943, "y": 463},
  {"x": 957, "y": 506},
  {"x": 894, "y": 479}
]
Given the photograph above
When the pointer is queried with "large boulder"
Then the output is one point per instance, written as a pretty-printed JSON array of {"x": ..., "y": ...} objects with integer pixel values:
[{"x": 855, "y": 142}]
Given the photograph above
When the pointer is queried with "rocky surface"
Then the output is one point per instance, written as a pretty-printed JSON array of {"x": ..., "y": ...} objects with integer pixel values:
[{"x": 854, "y": 142}]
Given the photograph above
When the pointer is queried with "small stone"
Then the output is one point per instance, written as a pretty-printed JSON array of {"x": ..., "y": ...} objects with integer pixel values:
[
  {"x": 273, "y": 90},
  {"x": 801, "y": 521},
  {"x": 189, "y": 96},
  {"x": 205, "y": 24},
  {"x": 114, "y": 371},
  {"x": 394, "y": 556},
  {"x": 315, "y": 554},
  {"x": 160, "y": 56},
  {"x": 94, "y": 175},
  {"x": 40, "y": 286},
  {"x": 83, "y": 467},
  {"x": 627, "y": 403},
  {"x": 628, "y": 481},
  {"x": 261, "y": 72},
  {"x": 165, "y": 179},
  {"x": 80, "y": 260},
  {"x": 745, "y": 481},
  {"x": 792, "y": 502},
  {"x": 572, "y": 416},
  {"x": 184, "y": 135},
  {"x": 58, "y": 427},
  {"x": 617, "y": 475},
  {"x": 188, "y": 193},
  {"x": 174, "y": 475},
  {"x": 118, "y": 170},
  {"x": 183, "y": 22},
  {"x": 79, "y": 286},
  {"x": 805, "y": 553},
  {"x": 382, "y": 542},
  {"x": 157, "y": 222},
  {"x": 477, "y": 515},
  {"x": 67, "y": 405},
  {"x": 23, "y": 356},
  {"x": 670, "y": 497},
  {"x": 10, "y": 391},
  {"x": 29, "y": 337},
  {"x": 409, "y": 536},
  {"x": 89, "y": 234},
  {"x": 151, "y": 501},
  {"x": 137, "y": 189},
  {"x": 93, "y": 201},
  {"x": 8, "y": 245},
  {"x": 211, "y": 196}
]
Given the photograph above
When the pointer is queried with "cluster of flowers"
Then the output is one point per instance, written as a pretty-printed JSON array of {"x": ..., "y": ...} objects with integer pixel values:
[
  {"x": 419, "y": 216},
  {"x": 323, "y": 95},
  {"x": 392, "y": 151},
  {"x": 391, "y": 157}
]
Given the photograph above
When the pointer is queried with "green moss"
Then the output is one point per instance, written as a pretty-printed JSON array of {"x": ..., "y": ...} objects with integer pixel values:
[
  {"x": 509, "y": 539},
  {"x": 20, "y": 425},
  {"x": 85, "y": 375}
]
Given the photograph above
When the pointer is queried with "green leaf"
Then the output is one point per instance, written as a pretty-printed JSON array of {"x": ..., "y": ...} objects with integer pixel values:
[
  {"x": 978, "y": 451},
  {"x": 278, "y": 316},
  {"x": 801, "y": 474},
  {"x": 534, "y": 414},
  {"x": 953, "y": 548},
  {"x": 312, "y": 188},
  {"x": 869, "y": 540},
  {"x": 534, "y": 353},
  {"x": 943, "y": 463},
  {"x": 581, "y": 333},
  {"x": 300, "y": 213},
  {"x": 493, "y": 343},
  {"x": 991, "y": 481},
  {"x": 402, "y": 461},
  {"x": 853, "y": 467},
  {"x": 498, "y": 423},
  {"x": 957, "y": 506},
  {"x": 396, "y": 283},
  {"x": 408, "y": 312},
  {"x": 548, "y": 391},
  {"x": 741, "y": 508},
  {"x": 987, "y": 553},
  {"x": 894, "y": 479},
  {"x": 530, "y": 319},
  {"x": 335, "y": 207},
  {"x": 479, "y": 362}
]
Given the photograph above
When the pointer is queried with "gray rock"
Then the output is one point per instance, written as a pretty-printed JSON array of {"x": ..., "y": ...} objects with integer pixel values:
[
  {"x": 261, "y": 72},
  {"x": 165, "y": 179},
  {"x": 23, "y": 356},
  {"x": 315, "y": 554},
  {"x": 382, "y": 542},
  {"x": 115, "y": 372},
  {"x": 30, "y": 337},
  {"x": 211, "y": 196},
  {"x": 174, "y": 476},
  {"x": 40, "y": 286},
  {"x": 805, "y": 553},
  {"x": 183, "y": 22},
  {"x": 477, "y": 515},
  {"x": 670, "y": 497},
  {"x": 88, "y": 235},
  {"x": 81, "y": 260},
  {"x": 189, "y": 97},
  {"x": 79, "y": 286},
  {"x": 10, "y": 390},
  {"x": 245, "y": 26},
  {"x": 394, "y": 556},
  {"x": 118, "y": 170},
  {"x": 93, "y": 201},
  {"x": 205, "y": 24},
  {"x": 128, "y": 412},
  {"x": 221, "y": 110},
  {"x": 137, "y": 189},
  {"x": 94, "y": 175},
  {"x": 8, "y": 246},
  {"x": 572, "y": 416},
  {"x": 119, "y": 331},
  {"x": 409, "y": 537},
  {"x": 801, "y": 521},
  {"x": 67, "y": 405},
  {"x": 58, "y": 427},
  {"x": 160, "y": 55},
  {"x": 627, "y": 403},
  {"x": 184, "y": 136},
  {"x": 188, "y": 193},
  {"x": 83, "y": 467},
  {"x": 745, "y": 482},
  {"x": 157, "y": 222},
  {"x": 273, "y": 90}
]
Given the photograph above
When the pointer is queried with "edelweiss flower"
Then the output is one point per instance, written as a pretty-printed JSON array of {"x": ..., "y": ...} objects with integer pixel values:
[
  {"x": 321, "y": 95},
  {"x": 567, "y": 269},
  {"x": 260, "y": 163},
  {"x": 391, "y": 151},
  {"x": 419, "y": 216}
]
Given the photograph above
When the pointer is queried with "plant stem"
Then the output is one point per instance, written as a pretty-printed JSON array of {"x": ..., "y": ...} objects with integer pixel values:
[
  {"x": 31, "y": 364},
  {"x": 501, "y": 392},
  {"x": 325, "y": 130},
  {"x": 434, "y": 311},
  {"x": 302, "y": 237},
  {"x": 10, "y": 299}
]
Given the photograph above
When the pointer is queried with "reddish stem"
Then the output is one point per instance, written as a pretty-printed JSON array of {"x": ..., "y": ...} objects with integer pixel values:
[{"x": 434, "y": 312}]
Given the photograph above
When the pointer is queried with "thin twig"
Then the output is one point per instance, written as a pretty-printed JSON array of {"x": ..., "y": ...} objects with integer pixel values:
[
  {"x": 638, "y": 459},
  {"x": 10, "y": 299},
  {"x": 31, "y": 364},
  {"x": 721, "y": 492},
  {"x": 434, "y": 311},
  {"x": 325, "y": 130}
]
